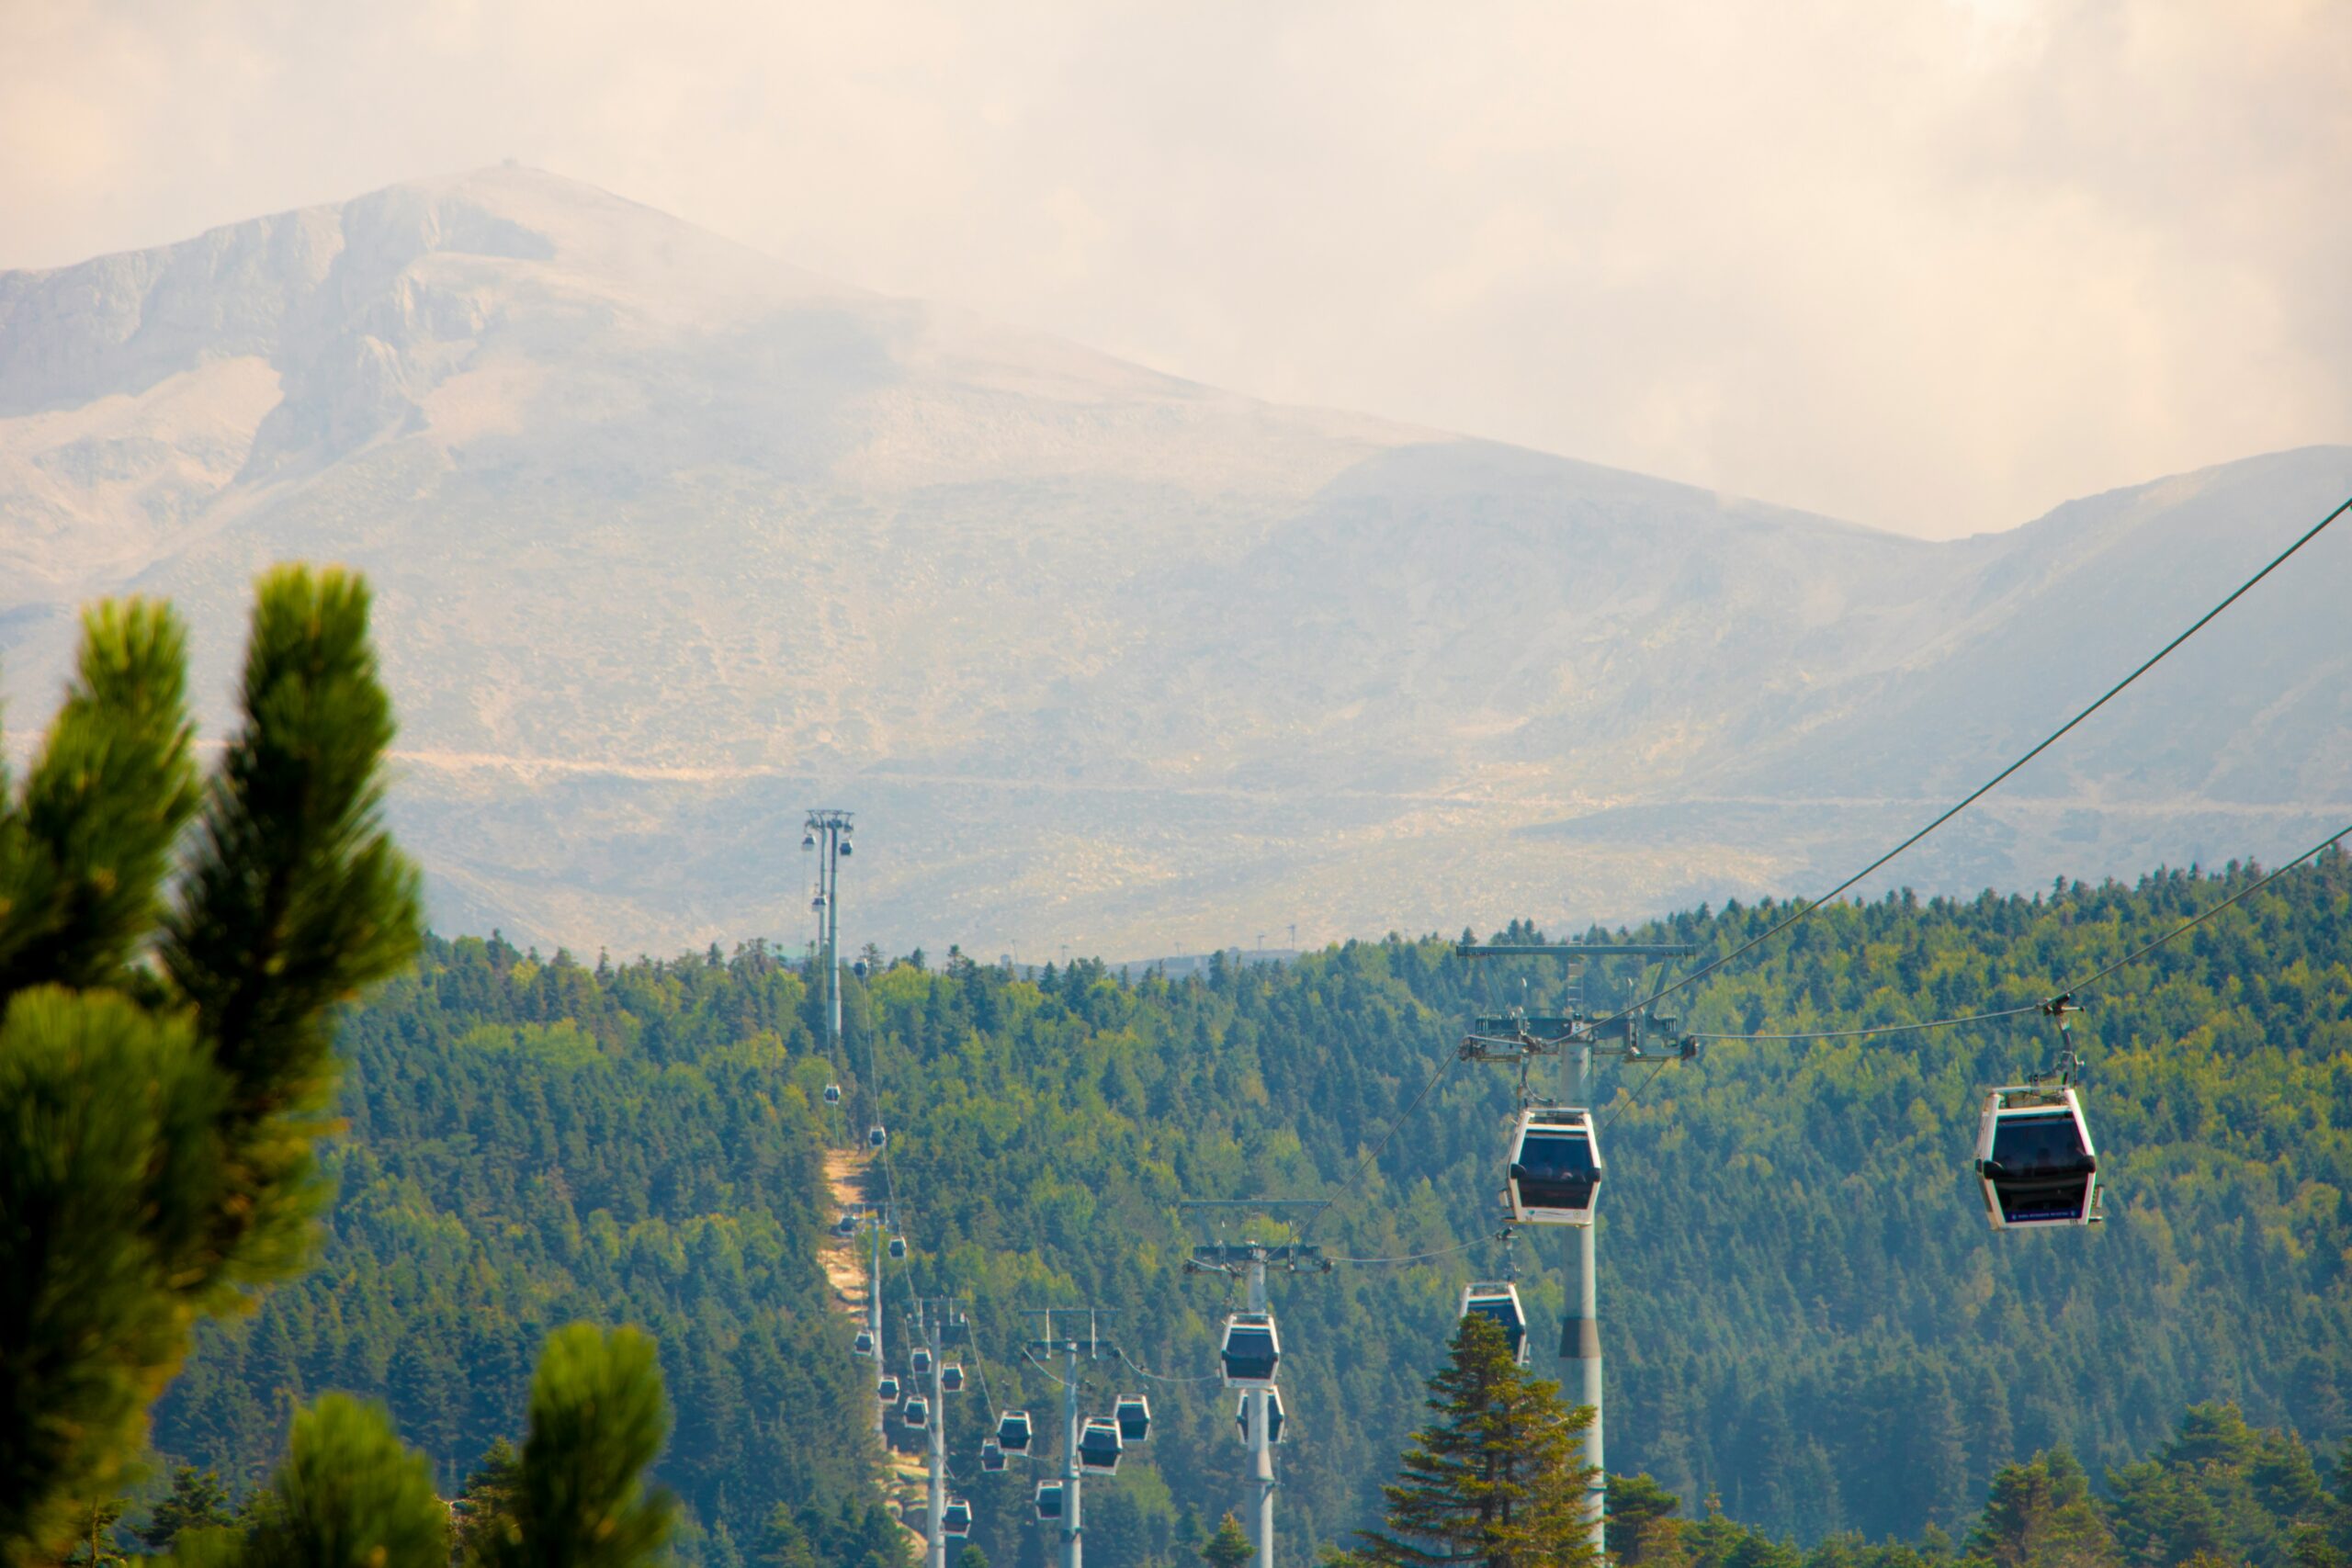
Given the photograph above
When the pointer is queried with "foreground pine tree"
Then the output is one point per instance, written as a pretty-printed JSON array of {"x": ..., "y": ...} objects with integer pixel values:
[
  {"x": 165, "y": 1061},
  {"x": 1495, "y": 1479}
]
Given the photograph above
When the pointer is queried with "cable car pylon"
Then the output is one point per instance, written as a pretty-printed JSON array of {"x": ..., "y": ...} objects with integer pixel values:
[
  {"x": 1075, "y": 1334},
  {"x": 1576, "y": 1039},
  {"x": 936, "y": 1326},
  {"x": 1251, "y": 1349}
]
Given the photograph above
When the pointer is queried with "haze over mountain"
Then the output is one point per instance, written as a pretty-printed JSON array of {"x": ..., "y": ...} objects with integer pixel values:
[{"x": 671, "y": 541}]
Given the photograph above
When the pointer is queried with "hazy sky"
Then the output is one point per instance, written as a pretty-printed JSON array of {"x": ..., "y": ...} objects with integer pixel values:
[{"x": 1926, "y": 263}]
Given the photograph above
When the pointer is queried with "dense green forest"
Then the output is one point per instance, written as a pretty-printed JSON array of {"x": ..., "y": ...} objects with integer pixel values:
[{"x": 1805, "y": 1313}]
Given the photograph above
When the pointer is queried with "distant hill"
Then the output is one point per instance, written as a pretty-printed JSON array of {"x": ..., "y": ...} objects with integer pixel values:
[{"x": 672, "y": 540}]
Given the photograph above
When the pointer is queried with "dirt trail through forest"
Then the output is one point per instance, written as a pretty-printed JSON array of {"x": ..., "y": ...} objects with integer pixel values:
[{"x": 844, "y": 1263}]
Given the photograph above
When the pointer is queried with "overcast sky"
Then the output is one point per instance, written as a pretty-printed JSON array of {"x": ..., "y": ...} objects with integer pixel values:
[{"x": 1931, "y": 264}]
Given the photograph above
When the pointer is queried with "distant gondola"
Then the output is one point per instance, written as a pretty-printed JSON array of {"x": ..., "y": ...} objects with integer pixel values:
[
  {"x": 916, "y": 1412},
  {"x": 832, "y": 1094},
  {"x": 1274, "y": 1419},
  {"x": 1252, "y": 1351},
  {"x": 898, "y": 1246},
  {"x": 1498, "y": 1301},
  {"x": 992, "y": 1455},
  {"x": 1133, "y": 1413},
  {"x": 1049, "y": 1499},
  {"x": 846, "y": 1225},
  {"x": 2035, "y": 1158},
  {"x": 876, "y": 1137},
  {"x": 1555, "y": 1166},
  {"x": 956, "y": 1519},
  {"x": 886, "y": 1388},
  {"x": 1013, "y": 1431},
  {"x": 862, "y": 1344},
  {"x": 921, "y": 1360},
  {"x": 1099, "y": 1446},
  {"x": 951, "y": 1378}
]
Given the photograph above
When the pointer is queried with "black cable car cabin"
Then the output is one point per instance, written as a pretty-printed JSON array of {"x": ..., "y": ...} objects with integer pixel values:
[
  {"x": 1099, "y": 1446},
  {"x": 1555, "y": 1166},
  {"x": 992, "y": 1455},
  {"x": 1133, "y": 1413},
  {"x": 956, "y": 1519},
  {"x": 951, "y": 1378},
  {"x": 845, "y": 1227},
  {"x": 2035, "y": 1158},
  {"x": 1013, "y": 1431},
  {"x": 862, "y": 1344},
  {"x": 876, "y": 1137},
  {"x": 1049, "y": 1499},
  {"x": 1496, "y": 1301},
  {"x": 898, "y": 1246},
  {"x": 921, "y": 1361},
  {"x": 832, "y": 1094},
  {"x": 1273, "y": 1420},
  {"x": 886, "y": 1387},
  {"x": 916, "y": 1412},
  {"x": 1252, "y": 1351}
]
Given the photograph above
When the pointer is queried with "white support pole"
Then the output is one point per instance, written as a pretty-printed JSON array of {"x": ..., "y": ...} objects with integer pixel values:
[
  {"x": 1261, "y": 1450},
  {"x": 937, "y": 1523},
  {"x": 1580, "y": 1336},
  {"x": 873, "y": 1326},
  {"x": 1073, "y": 1480}
]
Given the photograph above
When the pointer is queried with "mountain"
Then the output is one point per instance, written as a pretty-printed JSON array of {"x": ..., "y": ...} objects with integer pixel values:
[{"x": 671, "y": 541}]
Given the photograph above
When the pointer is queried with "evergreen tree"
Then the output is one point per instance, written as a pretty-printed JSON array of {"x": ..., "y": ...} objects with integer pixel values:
[
  {"x": 2040, "y": 1515},
  {"x": 1228, "y": 1548},
  {"x": 483, "y": 1510},
  {"x": 197, "y": 1501},
  {"x": 349, "y": 1495},
  {"x": 157, "y": 1120},
  {"x": 580, "y": 1498},
  {"x": 1493, "y": 1479}
]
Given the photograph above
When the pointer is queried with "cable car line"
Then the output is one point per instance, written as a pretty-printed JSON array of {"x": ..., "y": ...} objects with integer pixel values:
[
  {"x": 1806, "y": 911},
  {"x": 2069, "y": 991},
  {"x": 1162, "y": 1377},
  {"x": 1422, "y": 1257}
]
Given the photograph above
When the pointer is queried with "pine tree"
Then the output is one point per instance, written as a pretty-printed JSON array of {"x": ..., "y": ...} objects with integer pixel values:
[
  {"x": 1495, "y": 1478},
  {"x": 1228, "y": 1548},
  {"x": 580, "y": 1499},
  {"x": 197, "y": 1501},
  {"x": 350, "y": 1494},
  {"x": 164, "y": 1072},
  {"x": 2040, "y": 1515}
]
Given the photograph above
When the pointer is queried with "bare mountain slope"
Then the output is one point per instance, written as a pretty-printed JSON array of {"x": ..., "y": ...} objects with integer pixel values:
[{"x": 671, "y": 540}]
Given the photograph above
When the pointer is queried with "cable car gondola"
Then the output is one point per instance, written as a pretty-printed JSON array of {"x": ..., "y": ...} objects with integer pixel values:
[
  {"x": 1099, "y": 1446},
  {"x": 845, "y": 1227},
  {"x": 1133, "y": 1413},
  {"x": 956, "y": 1519},
  {"x": 992, "y": 1455},
  {"x": 1555, "y": 1166},
  {"x": 886, "y": 1388},
  {"x": 1252, "y": 1351},
  {"x": 862, "y": 1344},
  {"x": 1498, "y": 1301},
  {"x": 832, "y": 1094},
  {"x": 922, "y": 1361},
  {"x": 2035, "y": 1158},
  {"x": 898, "y": 1246},
  {"x": 1273, "y": 1421},
  {"x": 951, "y": 1378},
  {"x": 1049, "y": 1499},
  {"x": 916, "y": 1412},
  {"x": 876, "y": 1137},
  {"x": 1013, "y": 1431}
]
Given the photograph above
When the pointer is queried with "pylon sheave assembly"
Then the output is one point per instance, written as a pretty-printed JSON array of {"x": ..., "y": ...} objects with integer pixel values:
[
  {"x": 1252, "y": 1352},
  {"x": 1273, "y": 1419},
  {"x": 1555, "y": 1176},
  {"x": 1099, "y": 1446},
  {"x": 2035, "y": 1158},
  {"x": 1498, "y": 1301},
  {"x": 1133, "y": 1413},
  {"x": 1013, "y": 1431}
]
